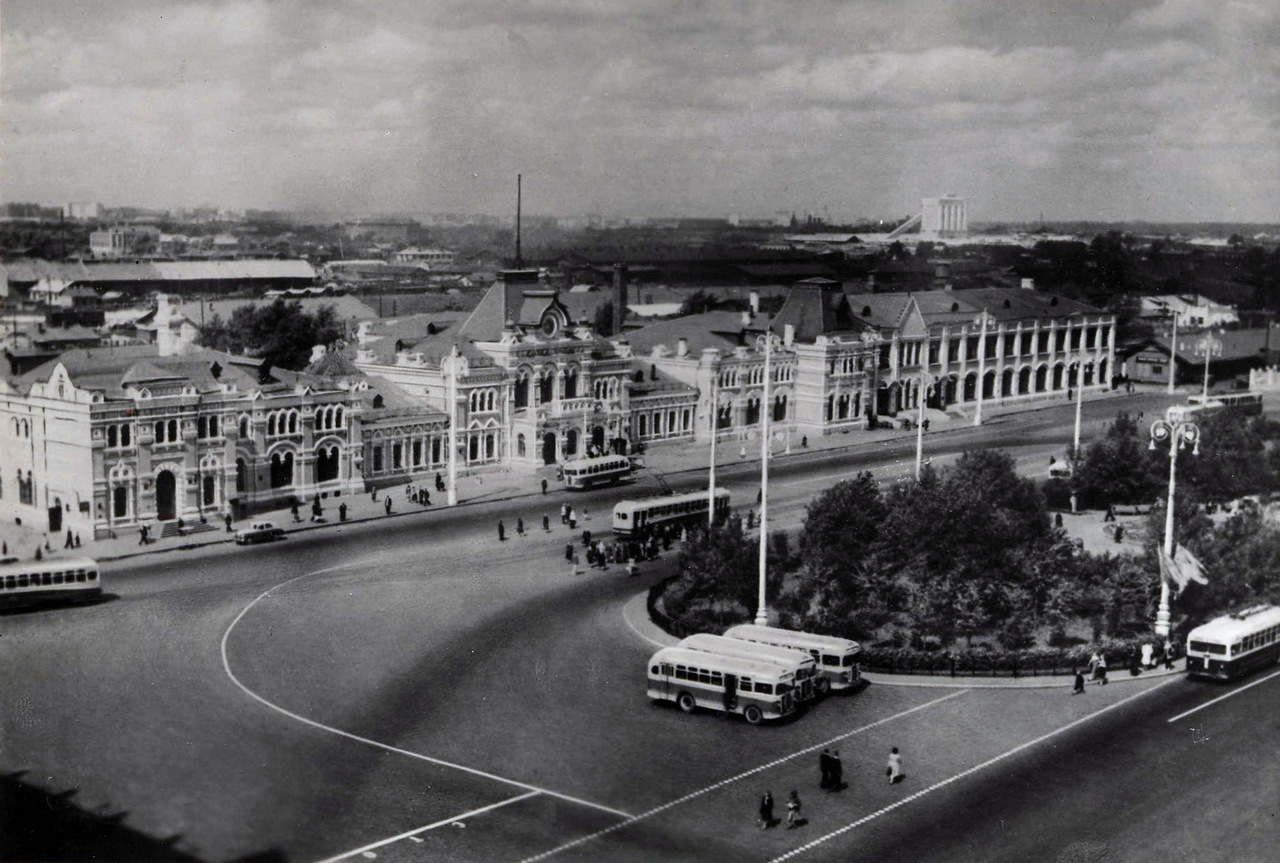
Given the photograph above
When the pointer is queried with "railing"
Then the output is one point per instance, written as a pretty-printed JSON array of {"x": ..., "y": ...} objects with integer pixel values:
[{"x": 562, "y": 407}]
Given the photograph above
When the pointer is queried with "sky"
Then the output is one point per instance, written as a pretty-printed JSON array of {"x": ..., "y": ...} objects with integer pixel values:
[{"x": 1167, "y": 110}]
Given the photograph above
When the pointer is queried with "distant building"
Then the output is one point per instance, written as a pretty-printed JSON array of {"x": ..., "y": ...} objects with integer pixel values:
[
  {"x": 389, "y": 231},
  {"x": 123, "y": 241},
  {"x": 83, "y": 210},
  {"x": 944, "y": 218},
  {"x": 1193, "y": 311},
  {"x": 170, "y": 277},
  {"x": 1235, "y": 354},
  {"x": 432, "y": 258}
]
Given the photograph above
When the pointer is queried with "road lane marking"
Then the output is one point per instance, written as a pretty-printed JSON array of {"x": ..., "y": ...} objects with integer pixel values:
[
  {"x": 582, "y": 840},
  {"x": 808, "y": 846},
  {"x": 367, "y": 850},
  {"x": 1187, "y": 713},
  {"x": 226, "y": 666}
]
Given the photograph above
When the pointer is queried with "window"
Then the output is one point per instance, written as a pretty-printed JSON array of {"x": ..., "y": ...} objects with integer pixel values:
[
  {"x": 160, "y": 432},
  {"x": 244, "y": 426},
  {"x": 213, "y": 426},
  {"x": 172, "y": 430},
  {"x": 112, "y": 440},
  {"x": 1157, "y": 370},
  {"x": 242, "y": 472},
  {"x": 377, "y": 458},
  {"x": 202, "y": 427},
  {"x": 764, "y": 688},
  {"x": 397, "y": 456},
  {"x": 125, "y": 435}
]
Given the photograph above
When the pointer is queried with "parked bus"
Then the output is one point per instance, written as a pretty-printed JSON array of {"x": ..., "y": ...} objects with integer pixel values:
[
  {"x": 804, "y": 666},
  {"x": 587, "y": 472},
  {"x": 837, "y": 658},
  {"x": 1235, "y": 644},
  {"x": 693, "y": 678},
  {"x": 35, "y": 581},
  {"x": 639, "y": 517}
]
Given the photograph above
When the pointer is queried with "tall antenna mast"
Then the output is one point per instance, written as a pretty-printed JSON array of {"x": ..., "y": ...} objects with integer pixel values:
[{"x": 519, "y": 260}]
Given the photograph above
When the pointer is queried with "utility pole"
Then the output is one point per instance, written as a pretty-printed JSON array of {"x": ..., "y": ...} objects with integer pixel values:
[
  {"x": 452, "y": 369},
  {"x": 711, "y": 484}
]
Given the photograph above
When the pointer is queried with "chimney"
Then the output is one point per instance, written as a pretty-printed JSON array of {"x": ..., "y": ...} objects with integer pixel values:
[
  {"x": 754, "y": 300},
  {"x": 788, "y": 334},
  {"x": 746, "y": 319},
  {"x": 619, "y": 297},
  {"x": 164, "y": 336},
  {"x": 682, "y": 347}
]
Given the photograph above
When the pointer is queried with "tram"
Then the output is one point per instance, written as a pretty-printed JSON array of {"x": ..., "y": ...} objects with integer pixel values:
[
  {"x": 640, "y": 517},
  {"x": 602, "y": 470},
  {"x": 37, "y": 581}
]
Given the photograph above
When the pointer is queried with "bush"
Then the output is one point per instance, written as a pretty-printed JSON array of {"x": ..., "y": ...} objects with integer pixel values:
[{"x": 999, "y": 661}]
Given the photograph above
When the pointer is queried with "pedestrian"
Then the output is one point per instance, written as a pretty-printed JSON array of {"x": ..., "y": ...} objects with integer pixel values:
[
  {"x": 564, "y": 513},
  {"x": 766, "y": 810},
  {"x": 804, "y": 441},
  {"x": 316, "y": 509},
  {"x": 520, "y": 526},
  {"x": 426, "y": 498},
  {"x": 586, "y": 537},
  {"x": 1135, "y": 661},
  {"x": 573, "y": 570},
  {"x": 1057, "y": 519},
  {"x": 544, "y": 485},
  {"x": 227, "y": 518},
  {"x": 1111, "y": 513},
  {"x": 502, "y": 532},
  {"x": 586, "y": 516},
  {"x": 373, "y": 494},
  {"x": 546, "y": 524},
  {"x": 759, "y": 495},
  {"x": 1094, "y": 662},
  {"x": 1168, "y": 655},
  {"x": 824, "y": 768},
  {"x": 793, "y": 810},
  {"x": 142, "y": 534},
  {"x": 925, "y": 425},
  {"x": 1148, "y": 655},
  {"x": 894, "y": 769},
  {"x": 39, "y": 553},
  {"x": 293, "y": 509},
  {"x": 70, "y": 541},
  {"x": 836, "y": 771},
  {"x": 632, "y": 569},
  {"x": 1102, "y": 669},
  {"x": 342, "y": 512},
  {"x": 573, "y": 519},
  {"x": 1079, "y": 687},
  {"x": 1119, "y": 533},
  {"x": 386, "y": 504},
  {"x": 568, "y": 551},
  {"x": 77, "y": 540}
]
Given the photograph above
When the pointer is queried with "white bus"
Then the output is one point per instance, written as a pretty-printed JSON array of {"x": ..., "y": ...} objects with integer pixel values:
[
  {"x": 34, "y": 581},
  {"x": 837, "y": 658},
  {"x": 639, "y": 517},
  {"x": 1235, "y": 644},
  {"x": 804, "y": 666},
  {"x": 693, "y": 678},
  {"x": 586, "y": 472}
]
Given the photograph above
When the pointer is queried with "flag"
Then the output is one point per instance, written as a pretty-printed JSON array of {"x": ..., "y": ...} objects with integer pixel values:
[{"x": 1181, "y": 568}]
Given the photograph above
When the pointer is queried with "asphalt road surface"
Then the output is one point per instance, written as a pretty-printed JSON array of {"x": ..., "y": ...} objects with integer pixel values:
[{"x": 414, "y": 689}]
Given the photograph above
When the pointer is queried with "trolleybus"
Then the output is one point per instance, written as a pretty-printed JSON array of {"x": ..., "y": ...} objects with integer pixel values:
[
  {"x": 1235, "y": 644},
  {"x": 693, "y": 678},
  {"x": 639, "y": 517},
  {"x": 837, "y": 658},
  {"x": 587, "y": 472},
  {"x": 804, "y": 666},
  {"x": 36, "y": 581}
]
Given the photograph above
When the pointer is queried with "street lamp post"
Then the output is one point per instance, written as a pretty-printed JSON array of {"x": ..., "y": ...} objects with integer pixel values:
[
  {"x": 1173, "y": 352},
  {"x": 715, "y": 427},
  {"x": 1179, "y": 433},
  {"x": 921, "y": 390},
  {"x": 982, "y": 320},
  {"x": 1210, "y": 347},
  {"x": 767, "y": 341},
  {"x": 451, "y": 367},
  {"x": 1075, "y": 446}
]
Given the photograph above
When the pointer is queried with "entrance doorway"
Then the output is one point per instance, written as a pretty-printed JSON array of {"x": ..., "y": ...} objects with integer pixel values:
[
  {"x": 210, "y": 490},
  {"x": 165, "y": 496},
  {"x": 549, "y": 448}
]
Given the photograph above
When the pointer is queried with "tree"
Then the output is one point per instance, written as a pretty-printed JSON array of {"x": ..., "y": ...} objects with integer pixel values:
[
  {"x": 698, "y": 302},
  {"x": 1118, "y": 468},
  {"x": 281, "y": 333},
  {"x": 718, "y": 571},
  {"x": 604, "y": 319}
]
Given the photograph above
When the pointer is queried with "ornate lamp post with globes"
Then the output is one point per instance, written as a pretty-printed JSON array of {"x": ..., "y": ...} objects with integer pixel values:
[
  {"x": 1179, "y": 433},
  {"x": 767, "y": 343}
]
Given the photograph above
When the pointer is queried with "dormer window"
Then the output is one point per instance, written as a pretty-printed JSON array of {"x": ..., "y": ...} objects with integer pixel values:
[
  {"x": 550, "y": 326},
  {"x": 377, "y": 401}
]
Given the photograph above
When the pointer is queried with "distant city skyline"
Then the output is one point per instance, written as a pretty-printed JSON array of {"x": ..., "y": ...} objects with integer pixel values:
[{"x": 1161, "y": 110}]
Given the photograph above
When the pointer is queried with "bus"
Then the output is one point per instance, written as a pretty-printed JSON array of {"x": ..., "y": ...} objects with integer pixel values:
[
  {"x": 750, "y": 688},
  {"x": 804, "y": 666},
  {"x": 837, "y": 658},
  {"x": 35, "y": 581},
  {"x": 1235, "y": 644},
  {"x": 587, "y": 472},
  {"x": 639, "y": 517}
]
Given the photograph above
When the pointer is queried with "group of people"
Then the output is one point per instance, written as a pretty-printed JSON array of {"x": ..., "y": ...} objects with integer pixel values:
[
  {"x": 419, "y": 494},
  {"x": 1137, "y": 660},
  {"x": 831, "y": 770}
]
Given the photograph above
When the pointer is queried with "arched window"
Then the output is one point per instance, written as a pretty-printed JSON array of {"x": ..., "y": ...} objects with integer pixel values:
[
  {"x": 126, "y": 434},
  {"x": 173, "y": 430},
  {"x": 244, "y": 426},
  {"x": 213, "y": 426},
  {"x": 202, "y": 427},
  {"x": 160, "y": 431},
  {"x": 293, "y": 422},
  {"x": 242, "y": 473},
  {"x": 111, "y": 436},
  {"x": 337, "y": 418},
  {"x": 520, "y": 445}
]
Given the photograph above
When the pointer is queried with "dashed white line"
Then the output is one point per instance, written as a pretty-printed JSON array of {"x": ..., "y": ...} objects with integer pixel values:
[
  {"x": 226, "y": 666},
  {"x": 1187, "y": 713},
  {"x": 809, "y": 846},
  {"x": 665, "y": 806},
  {"x": 367, "y": 850}
]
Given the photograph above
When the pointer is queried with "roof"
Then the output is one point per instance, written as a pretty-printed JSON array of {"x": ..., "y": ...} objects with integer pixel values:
[
  {"x": 815, "y": 307},
  {"x": 174, "y": 271},
  {"x": 1236, "y": 344},
  {"x": 721, "y": 330},
  {"x": 346, "y": 308},
  {"x": 332, "y": 364},
  {"x": 1231, "y": 627},
  {"x": 787, "y": 270}
]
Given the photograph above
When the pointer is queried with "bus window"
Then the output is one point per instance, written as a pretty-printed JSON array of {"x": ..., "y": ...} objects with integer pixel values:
[
  {"x": 717, "y": 679},
  {"x": 847, "y": 661},
  {"x": 764, "y": 688},
  {"x": 10, "y": 582},
  {"x": 744, "y": 684},
  {"x": 828, "y": 659},
  {"x": 22, "y": 580},
  {"x": 681, "y": 673},
  {"x": 57, "y": 578},
  {"x": 93, "y": 574},
  {"x": 47, "y": 578},
  {"x": 653, "y": 670},
  {"x": 666, "y": 669}
]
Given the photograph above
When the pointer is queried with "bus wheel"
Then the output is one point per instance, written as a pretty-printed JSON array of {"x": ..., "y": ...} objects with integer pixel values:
[
  {"x": 752, "y": 714},
  {"x": 686, "y": 703},
  {"x": 822, "y": 686}
]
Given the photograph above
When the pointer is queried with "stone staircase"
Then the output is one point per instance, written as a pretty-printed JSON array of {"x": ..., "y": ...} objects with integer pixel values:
[{"x": 170, "y": 528}]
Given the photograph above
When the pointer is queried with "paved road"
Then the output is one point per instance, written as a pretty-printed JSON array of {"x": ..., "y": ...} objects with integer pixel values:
[{"x": 318, "y": 696}]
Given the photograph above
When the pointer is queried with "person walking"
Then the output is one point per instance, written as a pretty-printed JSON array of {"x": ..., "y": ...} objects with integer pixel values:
[
  {"x": 564, "y": 513},
  {"x": 544, "y": 485},
  {"x": 227, "y": 518},
  {"x": 1079, "y": 687},
  {"x": 546, "y": 524},
  {"x": 568, "y": 551},
  {"x": 836, "y": 772},
  {"x": 342, "y": 512},
  {"x": 426, "y": 498},
  {"x": 1102, "y": 669},
  {"x": 824, "y": 768},
  {"x": 70, "y": 543},
  {"x": 520, "y": 527},
  {"x": 793, "y": 810},
  {"x": 386, "y": 504},
  {"x": 1168, "y": 655},
  {"x": 142, "y": 534},
  {"x": 573, "y": 567},
  {"x": 766, "y": 810},
  {"x": 293, "y": 509},
  {"x": 502, "y": 532},
  {"x": 894, "y": 768},
  {"x": 1094, "y": 662}
]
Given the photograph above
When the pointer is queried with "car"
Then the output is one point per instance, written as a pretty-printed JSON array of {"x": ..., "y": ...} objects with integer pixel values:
[{"x": 259, "y": 531}]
